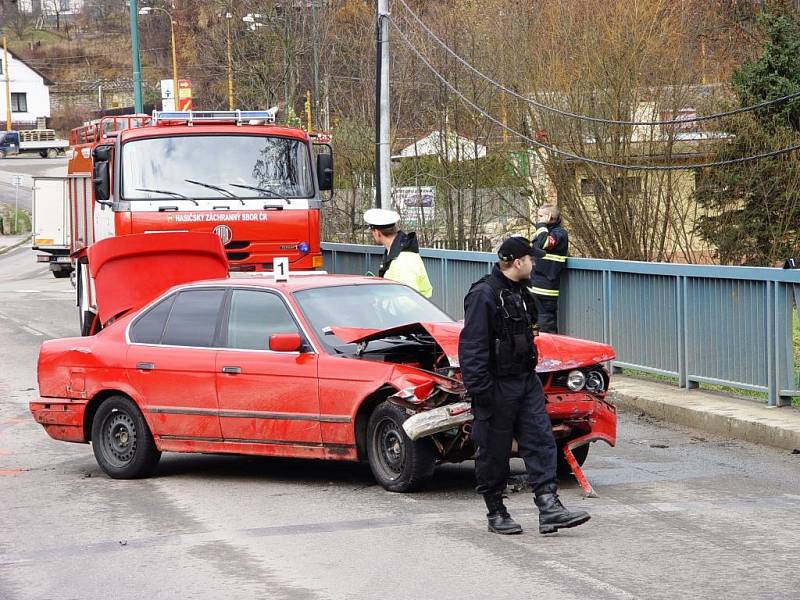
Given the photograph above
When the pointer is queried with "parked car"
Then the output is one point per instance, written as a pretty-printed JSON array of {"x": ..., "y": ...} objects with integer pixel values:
[{"x": 319, "y": 366}]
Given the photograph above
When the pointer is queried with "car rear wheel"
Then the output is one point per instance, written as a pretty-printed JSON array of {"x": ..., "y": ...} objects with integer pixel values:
[
  {"x": 399, "y": 464},
  {"x": 562, "y": 466},
  {"x": 121, "y": 440}
]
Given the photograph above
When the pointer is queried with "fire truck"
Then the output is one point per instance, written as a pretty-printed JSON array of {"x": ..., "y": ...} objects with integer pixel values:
[{"x": 237, "y": 174}]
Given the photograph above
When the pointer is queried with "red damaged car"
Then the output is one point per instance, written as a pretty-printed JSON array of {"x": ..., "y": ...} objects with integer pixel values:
[{"x": 319, "y": 366}]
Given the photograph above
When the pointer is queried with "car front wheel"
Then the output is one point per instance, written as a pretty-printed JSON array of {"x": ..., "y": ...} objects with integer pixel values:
[
  {"x": 399, "y": 464},
  {"x": 121, "y": 440}
]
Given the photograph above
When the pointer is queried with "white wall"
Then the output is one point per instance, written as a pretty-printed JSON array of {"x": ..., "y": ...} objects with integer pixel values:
[
  {"x": 26, "y": 81},
  {"x": 51, "y": 7}
]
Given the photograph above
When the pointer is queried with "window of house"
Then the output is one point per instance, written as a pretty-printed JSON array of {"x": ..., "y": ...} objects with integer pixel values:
[
  {"x": 254, "y": 317},
  {"x": 627, "y": 186},
  {"x": 19, "y": 102},
  {"x": 591, "y": 186}
]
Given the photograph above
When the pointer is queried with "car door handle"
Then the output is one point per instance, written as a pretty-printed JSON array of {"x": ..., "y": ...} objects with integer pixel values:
[
  {"x": 145, "y": 366},
  {"x": 232, "y": 370}
]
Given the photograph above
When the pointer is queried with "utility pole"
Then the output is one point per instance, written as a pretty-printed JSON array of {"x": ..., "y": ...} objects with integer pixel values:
[
  {"x": 315, "y": 43},
  {"x": 138, "y": 104},
  {"x": 228, "y": 17},
  {"x": 383, "y": 185},
  {"x": 8, "y": 83}
]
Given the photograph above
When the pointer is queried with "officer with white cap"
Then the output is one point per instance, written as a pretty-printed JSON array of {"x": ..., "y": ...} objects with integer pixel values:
[{"x": 401, "y": 259}]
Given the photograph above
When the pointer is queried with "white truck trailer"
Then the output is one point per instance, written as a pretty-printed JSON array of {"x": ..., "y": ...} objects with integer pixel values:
[{"x": 51, "y": 221}]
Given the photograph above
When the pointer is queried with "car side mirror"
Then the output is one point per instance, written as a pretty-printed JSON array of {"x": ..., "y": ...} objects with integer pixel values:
[
  {"x": 101, "y": 153},
  {"x": 285, "y": 342},
  {"x": 325, "y": 172},
  {"x": 101, "y": 180}
]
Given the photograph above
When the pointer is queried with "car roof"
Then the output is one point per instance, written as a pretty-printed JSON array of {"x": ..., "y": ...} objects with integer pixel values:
[{"x": 295, "y": 282}]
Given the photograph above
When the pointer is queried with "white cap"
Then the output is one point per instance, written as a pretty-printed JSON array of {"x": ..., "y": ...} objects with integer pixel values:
[{"x": 380, "y": 217}]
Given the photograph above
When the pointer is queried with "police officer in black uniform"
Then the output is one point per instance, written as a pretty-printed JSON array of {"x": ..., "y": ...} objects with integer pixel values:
[
  {"x": 497, "y": 355},
  {"x": 552, "y": 239}
]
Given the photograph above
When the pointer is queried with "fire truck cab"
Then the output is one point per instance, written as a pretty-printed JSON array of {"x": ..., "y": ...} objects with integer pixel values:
[{"x": 237, "y": 174}]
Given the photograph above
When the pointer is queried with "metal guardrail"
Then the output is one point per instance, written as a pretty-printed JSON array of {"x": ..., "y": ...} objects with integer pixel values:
[{"x": 728, "y": 326}]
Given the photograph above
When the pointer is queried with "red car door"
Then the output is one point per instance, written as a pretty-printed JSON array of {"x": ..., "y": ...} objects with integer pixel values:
[
  {"x": 265, "y": 397},
  {"x": 171, "y": 361}
]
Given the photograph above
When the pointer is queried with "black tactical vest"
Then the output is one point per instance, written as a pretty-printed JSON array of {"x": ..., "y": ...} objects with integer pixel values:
[{"x": 513, "y": 350}]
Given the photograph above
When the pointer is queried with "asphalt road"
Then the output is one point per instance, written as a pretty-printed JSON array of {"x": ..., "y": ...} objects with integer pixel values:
[
  {"x": 680, "y": 514},
  {"x": 27, "y": 166}
]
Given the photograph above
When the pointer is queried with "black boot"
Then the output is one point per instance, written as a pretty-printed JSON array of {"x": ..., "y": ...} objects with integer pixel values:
[
  {"x": 499, "y": 519},
  {"x": 552, "y": 514}
]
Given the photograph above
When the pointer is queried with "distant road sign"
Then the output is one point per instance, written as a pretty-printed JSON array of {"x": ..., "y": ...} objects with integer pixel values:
[{"x": 16, "y": 180}]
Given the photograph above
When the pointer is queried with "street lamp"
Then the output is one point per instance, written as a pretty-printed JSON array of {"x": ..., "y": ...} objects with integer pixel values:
[{"x": 146, "y": 10}]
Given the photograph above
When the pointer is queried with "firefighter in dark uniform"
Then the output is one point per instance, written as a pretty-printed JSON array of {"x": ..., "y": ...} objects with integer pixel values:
[
  {"x": 552, "y": 239},
  {"x": 497, "y": 355}
]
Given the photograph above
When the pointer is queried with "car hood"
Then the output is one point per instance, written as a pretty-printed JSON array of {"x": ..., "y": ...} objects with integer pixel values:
[
  {"x": 556, "y": 352},
  {"x": 131, "y": 270}
]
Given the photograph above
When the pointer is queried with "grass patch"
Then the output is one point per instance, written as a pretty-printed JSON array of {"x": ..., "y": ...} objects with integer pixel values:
[
  {"x": 22, "y": 221},
  {"x": 724, "y": 389}
]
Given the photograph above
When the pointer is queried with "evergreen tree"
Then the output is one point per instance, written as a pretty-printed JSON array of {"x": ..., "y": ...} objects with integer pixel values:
[{"x": 753, "y": 209}]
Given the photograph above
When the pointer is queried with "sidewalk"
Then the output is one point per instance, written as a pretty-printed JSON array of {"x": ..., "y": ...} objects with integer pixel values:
[
  {"x": 748, "y": 420},
  {"x": 9, "y": 242}
]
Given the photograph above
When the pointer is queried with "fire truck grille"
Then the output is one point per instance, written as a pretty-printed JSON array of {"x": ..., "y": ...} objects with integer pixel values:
[
  {"x": 237, "y": 245},
  {"x": 238, "y": 255}
]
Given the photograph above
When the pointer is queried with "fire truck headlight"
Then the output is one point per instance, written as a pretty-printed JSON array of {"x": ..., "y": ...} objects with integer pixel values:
[
  {"x": 576, "y": 380},
  {"x": 303, "y": 247}
]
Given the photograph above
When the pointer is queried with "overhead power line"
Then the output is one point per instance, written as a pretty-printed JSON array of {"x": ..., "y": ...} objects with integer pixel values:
[
  {"x": 585, "y": 159},
  {"x": 589, "y": 118}
]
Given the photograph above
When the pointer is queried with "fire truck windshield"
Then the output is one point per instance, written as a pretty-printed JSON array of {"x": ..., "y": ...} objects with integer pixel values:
[{"x": 271, "y": 167}]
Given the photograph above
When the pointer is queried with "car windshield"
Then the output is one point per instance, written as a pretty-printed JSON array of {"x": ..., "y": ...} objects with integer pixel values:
[
  {"x": 364, "y": 306},
  {"x": 216, "y": 166}
]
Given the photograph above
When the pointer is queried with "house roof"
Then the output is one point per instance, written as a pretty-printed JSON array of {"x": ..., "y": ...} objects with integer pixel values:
[
  {"x": 431, "y": 145},
  {"x": 46, "y": 81}
]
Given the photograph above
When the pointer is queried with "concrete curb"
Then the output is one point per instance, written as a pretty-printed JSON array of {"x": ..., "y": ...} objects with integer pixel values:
[
  {"x": 722, "y": 415},
  {"x": 22, "y": 242}
]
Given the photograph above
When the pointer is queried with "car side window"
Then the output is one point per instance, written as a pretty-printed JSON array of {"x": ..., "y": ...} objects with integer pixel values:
[
  {"x": 193, "y": 319},
  {"x": 254, "y": 317},
  {"x": 149, "y": 328}
]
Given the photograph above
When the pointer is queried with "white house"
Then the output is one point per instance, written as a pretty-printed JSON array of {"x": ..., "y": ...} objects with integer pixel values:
[
  {"x": 445, "y": 144},
  {"x": 30, "y": 95}
]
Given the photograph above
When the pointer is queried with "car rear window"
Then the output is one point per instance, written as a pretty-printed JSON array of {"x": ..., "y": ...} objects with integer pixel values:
[
  {"x": 193, "y": 319},
  {"x": 254, "y": 316},
  {"x": 149, "y": 328}
]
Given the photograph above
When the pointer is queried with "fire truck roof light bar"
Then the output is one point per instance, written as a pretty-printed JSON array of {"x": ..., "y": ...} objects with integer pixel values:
[{"x": 240, "y": 117}]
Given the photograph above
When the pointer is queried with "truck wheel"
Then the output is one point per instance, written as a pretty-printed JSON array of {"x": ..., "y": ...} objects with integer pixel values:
[
  {"x": 121, "y": 440},
  {"x": 397, "y": 463},
  {"x": 562, "y": 466},
  {"x": 52, "y": 152},
  {"x": 43, "y": 153},
  {"x": 62, "y": 274}
]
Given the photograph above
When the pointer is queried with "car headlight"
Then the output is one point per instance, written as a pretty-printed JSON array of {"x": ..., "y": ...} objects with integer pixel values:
[
  {"x": 595, "y": 382},
  {"x": 576, "y": 380}
]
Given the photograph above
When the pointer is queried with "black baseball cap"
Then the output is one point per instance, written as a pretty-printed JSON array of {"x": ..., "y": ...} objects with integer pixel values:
[{"x": 516, "y": 247}]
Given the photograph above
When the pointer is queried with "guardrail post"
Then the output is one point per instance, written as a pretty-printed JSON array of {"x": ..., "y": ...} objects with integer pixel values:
[
  {"x": 446, "y": 296},
  {"x": 680, "y": 330},
  {"x": 772, "y": 384},
  {"x": 684, "y": 325}
]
